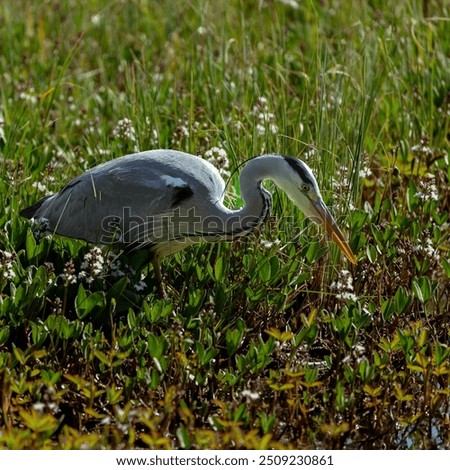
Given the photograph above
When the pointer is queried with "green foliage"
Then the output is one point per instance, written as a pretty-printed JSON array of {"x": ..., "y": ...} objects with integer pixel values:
[{"x": 271, "y": 342}]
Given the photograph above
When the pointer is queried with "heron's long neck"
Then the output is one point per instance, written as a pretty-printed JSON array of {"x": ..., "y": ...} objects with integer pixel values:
[{"x": 258, "y": 201}]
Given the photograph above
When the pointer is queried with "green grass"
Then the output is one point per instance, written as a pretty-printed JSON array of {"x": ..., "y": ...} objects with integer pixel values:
[{"x": 275, "y": 342}]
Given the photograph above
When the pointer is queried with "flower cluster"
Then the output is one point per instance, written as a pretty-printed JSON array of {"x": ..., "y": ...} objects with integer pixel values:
[
  {"x": 154, "y": 137},
  {"x": 92, "y": 266},
  {"x": 7, "y": 263},
  {"x": 250, "y": 395},
  {"x": 290, "y": 3},
  {"x": 428, "y": 189},
  {"x": 265, "y": 120},
  {"x": 197, "y": 129},
  {"x": 125, "y": 131},
  {"x": 218, "y": 157},
  {"x": 269, "y": 243},
  {"x": 29, "y": 95},
  {"x": 181, "y": 132},
  {"x": 115, "y": 266},
  {"x": 427, "y": 249},
  {"x": 14, "y": 170},
  {"x": 423, "y": 149},
  {"x": 69, "y": 273},
  {"x": 344, "y": 286},
  {"x": 140, "y": 286},
  {"x": 48, "y": 403},
  {"x": 340, "y": 181},
  {"x": 97, "y": 265},
  {"x": 41, "y": 187}
]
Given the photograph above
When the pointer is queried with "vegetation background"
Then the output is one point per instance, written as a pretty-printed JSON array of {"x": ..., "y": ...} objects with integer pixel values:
[{"x": 273, "y": 342}]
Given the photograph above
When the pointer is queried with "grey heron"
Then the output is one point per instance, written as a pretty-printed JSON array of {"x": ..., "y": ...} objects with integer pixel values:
[{"x": 167, "y": 200}]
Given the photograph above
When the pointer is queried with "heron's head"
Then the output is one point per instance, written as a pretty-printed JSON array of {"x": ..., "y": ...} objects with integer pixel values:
[{"x": 301, "y": 187}]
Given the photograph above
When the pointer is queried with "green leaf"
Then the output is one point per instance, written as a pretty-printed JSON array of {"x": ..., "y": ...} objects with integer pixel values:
[
  {"x": 267, "y": 421},
  {"x": 233, "y": 339},
  {"x": 274, "y": 266},
  {"x": 372, "y": 254},
  {"x": 30, "y": 246},
  {"x": 116, "y": 291},
  {"x": 81, "y": 295},
  {"x": 39, "y": 333},
  {"x": 422, "y": 288},
  {"x": 114, "y": 395},
  {"x": 241, "y": 413},
  {"x": 221, "y": 297},
  {"x": 401, "y": 299},
  {"x": 406, "y": 341},
  {"x": 313, "y": 251},
  {"x": 219, "y": 269},
  {"x": 20, "y": 355},
  {"x": 387, "y": 309},
  {"x": 85, "y": 304},
  {"x": 102, "y": 357},
  {"x": 160, "y": 309},
  {"x": 132, "y": 320},
  {"x": 341, "y": 401},
  {"x": 378, "y": 236},
  {"x": 411, "y": 199},
  {"x": 265, "y": 271},
  {"x": 205, "y": 354},
  {"x": 446, "y": 266},
  {"x": 4, "y": 335},
  {"x": 358, "y": 220},
  {"x": 441, "y": 353},
  {"x": 50, "y": 377},
  {"x": 183, "y": 438},
  {"x": 156, "y": 345}
]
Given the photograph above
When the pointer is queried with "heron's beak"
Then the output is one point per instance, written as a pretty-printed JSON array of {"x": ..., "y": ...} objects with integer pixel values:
[{"x": 323, "y": 215}]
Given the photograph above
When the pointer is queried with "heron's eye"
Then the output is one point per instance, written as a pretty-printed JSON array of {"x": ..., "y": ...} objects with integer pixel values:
[{"x": 305, "y": 187}]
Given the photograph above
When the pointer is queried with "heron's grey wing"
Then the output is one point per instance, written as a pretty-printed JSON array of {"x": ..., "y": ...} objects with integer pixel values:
[{"x": 101, "y": 207}]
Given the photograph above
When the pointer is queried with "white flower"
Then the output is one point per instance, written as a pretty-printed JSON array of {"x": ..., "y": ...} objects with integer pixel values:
[
  {"x": 40, "y": 187},
  {"x": 140, "y": 286},
  {"x": 265, "y": 120},
  {"x": 310, "y": 153},
  {"x": 260, "y": 129},
  {"x": 250, "y": 394},
  {"x": 218, "y": 157},
  {"x": 125, "y": 130},
  {"x": 29, "y": 96},
  {"x": 92, "y": 266},
  {"x": 39, "y": 406},
  {"x": 68, "y": 274},
  {"x": 290, "y": 3},
  {"x": 7, "y": 262},
  {"x": 115, "y": 266},
  {"x": 270, "y": 244},
  {"x": 96, "y": 19},
  {"x": 365, "y": 172},
  {"x": 262, "y": 102},
  {"x": 344, "y": 286},
  {"x": 273, "y": 128},
  {"x": 429, "y": 189}
]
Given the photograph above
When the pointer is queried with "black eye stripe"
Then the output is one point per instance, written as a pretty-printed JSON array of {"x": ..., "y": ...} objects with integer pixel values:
[{"x": 297, "y": 166}]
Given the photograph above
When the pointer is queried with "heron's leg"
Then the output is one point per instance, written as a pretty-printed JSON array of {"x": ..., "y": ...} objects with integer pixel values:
[{"x": 157, "y": 268}]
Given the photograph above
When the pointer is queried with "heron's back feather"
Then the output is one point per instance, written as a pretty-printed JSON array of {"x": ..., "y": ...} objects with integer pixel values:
[
  {"x": 30, "y": 211},
  {"x": 128, "y": 198}
]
